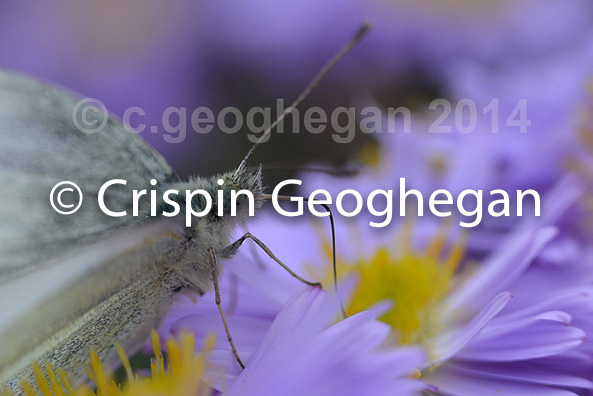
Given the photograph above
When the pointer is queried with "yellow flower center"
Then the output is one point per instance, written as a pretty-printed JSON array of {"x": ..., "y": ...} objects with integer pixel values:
[
  {"x": 416, "y": 282},
  {"x": 182, "y": 376}
]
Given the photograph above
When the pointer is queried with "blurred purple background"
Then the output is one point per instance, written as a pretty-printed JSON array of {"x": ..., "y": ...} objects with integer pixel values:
[{"x": 157, "y": 54}]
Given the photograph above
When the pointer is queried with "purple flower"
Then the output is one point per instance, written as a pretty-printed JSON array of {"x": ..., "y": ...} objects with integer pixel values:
[
  {"x": 538, "y": 342},
  {"x": 512, "y": 322},
  {"x": 300, "y": 356},
  {"x": 297, "y": 351}
]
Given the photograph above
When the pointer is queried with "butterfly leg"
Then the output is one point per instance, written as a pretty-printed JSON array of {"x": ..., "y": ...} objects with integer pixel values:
[
  {"x": 233, "y": 247},
  {"x": 219, "y": 305}
]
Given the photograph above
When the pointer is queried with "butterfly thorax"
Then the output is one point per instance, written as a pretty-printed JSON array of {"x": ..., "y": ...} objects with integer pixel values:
[{"x": 212, "y": 231}]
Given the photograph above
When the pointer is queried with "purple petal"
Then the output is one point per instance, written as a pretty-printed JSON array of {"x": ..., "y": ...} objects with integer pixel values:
[
  {"x": 452, "y": 381},
  {"x": 247, "y": 332},
  {"x": 537, "y": 339},
  {"x": 449, "y": 344},
  {"x": 499, "y": 270},
  {"x": 523, "y": 372}
]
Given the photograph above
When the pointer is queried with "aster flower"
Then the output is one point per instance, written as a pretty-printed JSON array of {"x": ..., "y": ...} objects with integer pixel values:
[
  {"x": 537, "y": 343},
  {"x": 512, "y": 322},
  {"x": 496, "y": 153},
  {"x": 508, "y": 160},
  {"x": 296, "y": 351},
  {"x": 300, "y": 356}
]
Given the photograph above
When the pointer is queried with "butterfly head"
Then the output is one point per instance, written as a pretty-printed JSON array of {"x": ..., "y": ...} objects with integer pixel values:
[{"x": 242, "y": 188}]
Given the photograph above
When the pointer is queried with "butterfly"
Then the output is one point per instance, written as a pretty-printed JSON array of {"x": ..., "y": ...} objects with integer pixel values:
[{"x": 72, "y": 282}]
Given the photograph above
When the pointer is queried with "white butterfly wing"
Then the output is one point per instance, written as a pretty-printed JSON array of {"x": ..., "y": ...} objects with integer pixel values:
[
  {"x": 114, "y": 290},
  {"x": 40, "y": 146}
]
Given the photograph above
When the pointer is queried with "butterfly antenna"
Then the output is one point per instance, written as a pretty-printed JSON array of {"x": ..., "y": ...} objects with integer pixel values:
[
  {"x": 333, "y": 229},
  {"x": 335, "y": 267},
  {"x": 361, "y": 32}
]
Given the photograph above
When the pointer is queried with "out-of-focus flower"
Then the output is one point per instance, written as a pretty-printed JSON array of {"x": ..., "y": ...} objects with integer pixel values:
[
  {"x": 491, "y": 155},
  {"x": 510, "y": 127},
  {"x": 183, "y": 374}
]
